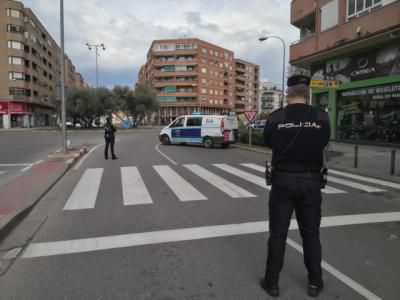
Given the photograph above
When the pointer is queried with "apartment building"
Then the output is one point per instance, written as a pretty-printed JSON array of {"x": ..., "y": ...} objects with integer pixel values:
[
  {"x": 30, "y": 69},
  {"x": 269, "y": 98},
  {"x": 190, "y": 75},
  {"x": 246, "y": 86},
  {"x": 356, "y": 42}
]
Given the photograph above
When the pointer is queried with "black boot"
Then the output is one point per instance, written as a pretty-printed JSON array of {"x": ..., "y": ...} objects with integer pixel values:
[{"x": 271, "y": 289}]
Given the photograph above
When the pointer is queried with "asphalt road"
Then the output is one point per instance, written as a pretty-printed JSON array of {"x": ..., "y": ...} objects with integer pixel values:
[{"x": 199, "y": 235}]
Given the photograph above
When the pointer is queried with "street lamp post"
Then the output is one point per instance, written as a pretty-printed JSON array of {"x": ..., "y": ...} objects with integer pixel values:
[
  {"x": 96, "y": 46},
  {"x": 261, "y": 39},
  {"x": 63, "y": 112}
]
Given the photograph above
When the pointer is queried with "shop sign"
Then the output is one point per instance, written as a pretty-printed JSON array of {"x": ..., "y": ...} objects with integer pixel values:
[
  {"x": 374, "y": 92},
  {"x": 376, "y": 63},
  {"x": 324, "y": 84}
]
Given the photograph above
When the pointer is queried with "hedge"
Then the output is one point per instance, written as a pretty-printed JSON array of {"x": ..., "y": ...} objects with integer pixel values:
[{"x": 256, "y": 136}]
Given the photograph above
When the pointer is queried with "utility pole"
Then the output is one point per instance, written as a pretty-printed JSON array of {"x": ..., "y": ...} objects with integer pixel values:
[
  {"x": 96, "y": 47},
  {"x": 63, "y": 113}
]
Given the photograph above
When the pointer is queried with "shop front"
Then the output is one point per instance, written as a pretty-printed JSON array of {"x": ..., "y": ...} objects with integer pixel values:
[{"x": 366, "y": 106}]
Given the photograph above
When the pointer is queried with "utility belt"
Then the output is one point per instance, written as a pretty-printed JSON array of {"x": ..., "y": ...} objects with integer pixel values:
[{"x": 270, "y": 174}]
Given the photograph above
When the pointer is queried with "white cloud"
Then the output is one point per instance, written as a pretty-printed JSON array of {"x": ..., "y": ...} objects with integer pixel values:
[{"x": 127, "y": 28}]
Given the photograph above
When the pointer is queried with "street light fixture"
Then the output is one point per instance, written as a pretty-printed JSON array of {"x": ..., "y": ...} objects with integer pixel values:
[
  {"x": 96, "y": 46},
  {"x": 261, "y": 39}
]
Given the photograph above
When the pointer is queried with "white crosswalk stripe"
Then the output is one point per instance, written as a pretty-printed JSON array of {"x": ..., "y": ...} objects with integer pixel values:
[
  {"x": 182, "y": 189},
  {"x": 326, "y": 190},
  {"x": 2, "y": 172},
  {"x": 220, "y": 183},
  {"x": 134, "y": 190},
  {"x": 366, "y": 179},
  {"x": 260, "y": 181},
  {"x": 359, "y": 186},
  {"x": 85, "y": 193}
]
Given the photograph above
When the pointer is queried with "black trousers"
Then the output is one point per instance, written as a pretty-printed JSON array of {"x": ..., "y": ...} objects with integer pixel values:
[
  {"x": 109, "y": 142},
  {"x": 303, "y": 195}
]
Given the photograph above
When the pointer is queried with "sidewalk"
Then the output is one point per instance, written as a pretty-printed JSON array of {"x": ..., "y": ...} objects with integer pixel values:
[
  {"x": 20, "y": 195},
  {"x": 373, "y": 161}
]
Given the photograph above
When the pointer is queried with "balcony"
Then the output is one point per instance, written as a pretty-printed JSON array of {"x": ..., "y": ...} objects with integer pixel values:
[
  {"x": 300, "y": 9},
  {"x": 368, "y": 30}
]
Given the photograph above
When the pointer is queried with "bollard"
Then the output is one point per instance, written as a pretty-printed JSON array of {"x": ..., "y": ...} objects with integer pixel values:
[
  {"x": 392, "y": 161},
  {"x": 356, "y": 156}
]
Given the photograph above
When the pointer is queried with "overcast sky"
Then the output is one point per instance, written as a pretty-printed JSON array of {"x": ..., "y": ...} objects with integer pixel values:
[{"x": 127, "y": 28}]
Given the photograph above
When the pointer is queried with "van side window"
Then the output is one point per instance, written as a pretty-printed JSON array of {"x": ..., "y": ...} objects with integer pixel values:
[
  {"x": 179, "y": 122},
  {"x": 192, "y": 121}
]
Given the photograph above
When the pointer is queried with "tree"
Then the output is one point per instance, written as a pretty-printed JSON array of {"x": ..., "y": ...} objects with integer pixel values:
[{"x": 145, "y": 103}]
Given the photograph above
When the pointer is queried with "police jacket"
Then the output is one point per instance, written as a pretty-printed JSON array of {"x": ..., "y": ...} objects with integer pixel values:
[
  {"x": 109, "y": 130},
  {"x": 302, "y": 153}
]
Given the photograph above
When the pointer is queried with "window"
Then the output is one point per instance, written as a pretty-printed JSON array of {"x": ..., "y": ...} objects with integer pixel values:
[
  {"x": 163, "y": 47},
  {"x": 357, "y": 8},
  {"x": 329, "y": 15},
  {"x": 14, "y": 13},
  {"x": 16, "y": 76},
  {"x": 203, "y": 70},
  {"x": 211, "y": 92},
  {"x": 181, "y": 68},
  {"x": 204, "y": 50},
  {"x": 17, "y": 91},
  {"x": 33, "y": 24},
  {"x": 193, "y": 121},
  {"x": 14, "y": 60},
  {"x": 15, "y": 28},
  {"x": 186, "y": 46},
  {"x": 178, "y": 122},
  {"x": 211, "y": 52},
  {"x": 216, "y": 53},
  {"x": 203, "y": 80},
  {"x": 204, "y": 91},
  {"x": 15, "y": 45}
]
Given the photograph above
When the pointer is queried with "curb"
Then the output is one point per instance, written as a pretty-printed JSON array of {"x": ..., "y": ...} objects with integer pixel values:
[{"x": 10, "y": 221}]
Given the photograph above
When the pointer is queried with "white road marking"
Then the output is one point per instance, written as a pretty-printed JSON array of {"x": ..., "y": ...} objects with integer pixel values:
[
  {"x": 134, "y": 190},
  {"x": 326, "y": 190},
  {"x": 2, "y": 172},
  {"x": 220, "y": 183},
  {"x": 331, "y": 190},
  {"x": 15, "y": 165},
  {"x": 187, "y": 234},
  {"x": 85, "y": 193},
  {"x": 182, "y": 189},
  {"x": 260, "y": 181},
  {"x": 339, "y": 275},
  {"x": 80, "y": 162},
  {"x": 39, "y": 162},
  {"x": 355, "y": 185},
  {"x": 27, "y": 168},
  {"x": 167, "y": 157},
  {"x": 12, "y": 254},
  {"x": 366, "y": 179}
]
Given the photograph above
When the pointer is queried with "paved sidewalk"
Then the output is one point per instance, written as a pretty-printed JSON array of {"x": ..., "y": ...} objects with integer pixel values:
[
  {"x": 372, "y": 160},
  {"x": 20, "y": 195}
]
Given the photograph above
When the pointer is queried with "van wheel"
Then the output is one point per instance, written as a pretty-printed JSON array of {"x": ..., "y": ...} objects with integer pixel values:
[
  {"x": 165, "y": 140},
  {"x": 225, "y": 145},
  {"x": 208, "y": 142}
]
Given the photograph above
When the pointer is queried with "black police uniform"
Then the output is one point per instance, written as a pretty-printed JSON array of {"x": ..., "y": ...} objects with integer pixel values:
[
  {"x": 109, "y": 136},
  {"x": 297, "y": 135}
]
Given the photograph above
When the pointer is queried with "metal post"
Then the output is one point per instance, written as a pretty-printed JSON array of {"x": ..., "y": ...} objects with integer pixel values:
[
  {"x": 392, "y": 161},
  {"x": 356, "y": 156},
  {"x": 63, "y": 113},
  {"x": 250, "y": 136},
  {"x": 283, "y": 73},
  {"x": 9, "y": 114},
  {"x": 97, "y": 71}
]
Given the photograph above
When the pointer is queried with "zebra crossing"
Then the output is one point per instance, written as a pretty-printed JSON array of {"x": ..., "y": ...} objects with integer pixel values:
[{"x": 135, "y": 190}]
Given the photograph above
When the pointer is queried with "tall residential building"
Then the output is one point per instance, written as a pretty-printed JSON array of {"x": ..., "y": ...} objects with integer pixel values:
[
  {"x": 358, "y": 44},
  {"x": 269, "y": 97},
  {"x": 69, "y": 72},
  {"x": 190, "y": 75},
  {"x": 246, "y": 86}
]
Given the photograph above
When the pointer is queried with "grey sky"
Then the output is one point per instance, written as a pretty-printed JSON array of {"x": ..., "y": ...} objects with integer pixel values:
[{"x": 127, "y": 28}]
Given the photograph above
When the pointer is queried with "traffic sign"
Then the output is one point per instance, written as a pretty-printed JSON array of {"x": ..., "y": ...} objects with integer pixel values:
[
  {"x": 324, "y": 84},
  {"x": 250, "y": 115}
]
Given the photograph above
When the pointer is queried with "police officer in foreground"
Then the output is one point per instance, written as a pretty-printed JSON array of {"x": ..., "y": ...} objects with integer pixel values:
[
  {"x": 297, "y": 135},
  {"x": 109, "y": 136}
]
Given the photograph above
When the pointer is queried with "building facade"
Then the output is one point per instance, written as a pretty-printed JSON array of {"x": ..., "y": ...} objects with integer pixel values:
[
  {"x": 246, "y": 86},
  {"x": 269, "y": 98},
  {"x": 358, "y": 44},
  {"x": 30, "y": 69},
  {"x": 191, "y": 75}
]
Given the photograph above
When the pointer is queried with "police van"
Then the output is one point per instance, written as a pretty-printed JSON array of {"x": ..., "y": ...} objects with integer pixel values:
[{"x": 208, "y": 130}]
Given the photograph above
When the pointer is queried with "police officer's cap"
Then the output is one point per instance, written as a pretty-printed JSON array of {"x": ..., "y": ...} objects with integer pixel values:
[{"x": 298, "y": 79}]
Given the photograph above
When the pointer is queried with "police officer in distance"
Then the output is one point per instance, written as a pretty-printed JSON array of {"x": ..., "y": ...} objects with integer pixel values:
[
  {"x": 297, "y": 135},
  {"x": 109, "y": 136}
]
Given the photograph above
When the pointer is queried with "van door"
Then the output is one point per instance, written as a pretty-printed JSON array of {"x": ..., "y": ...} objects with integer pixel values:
[
  {"x": 192, "y": 130},
  {"x": 177, "y": 133}
]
